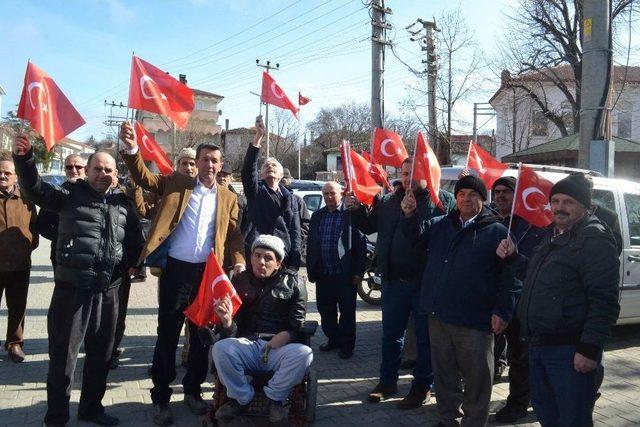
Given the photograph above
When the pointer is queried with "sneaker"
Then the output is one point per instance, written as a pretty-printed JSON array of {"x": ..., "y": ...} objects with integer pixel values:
[
  {"x": 195, "y": 404},
  {"x": 277, "y": 412},
  {"x": 230, "y": 410},
  {"x": 509, "y": 414},
  {"x": 162, "y": 415},
  {"x": 381, "y": 392},
  {"x": 102, "y": 420},
  {"x": 418, "y": 396}
]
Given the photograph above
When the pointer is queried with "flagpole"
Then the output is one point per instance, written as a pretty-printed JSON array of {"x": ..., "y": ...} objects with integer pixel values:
[
  {"x": 513, "y": 205},
  {"x": 299, "y": 139},
  {"x": 413, "y": 162},
  {"x": 468, "y": 154}
]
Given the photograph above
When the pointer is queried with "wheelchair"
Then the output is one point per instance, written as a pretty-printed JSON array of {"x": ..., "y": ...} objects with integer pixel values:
[{"x": 301, "y": 401}]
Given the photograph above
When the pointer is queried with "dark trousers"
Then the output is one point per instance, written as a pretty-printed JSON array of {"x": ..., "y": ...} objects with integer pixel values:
[
  {"x": 77, "y": 315},
  {"x": 123, "y": 304},
  {"x": 333, "y": 293},
  {"x": 15, "y": 286},
  {"x": 518, "y": 357},
  {"x": 500, "y": 349},
  {"x": 178, "y": 286},
  {"x": 399, "y": 300},
  {"x": 560, "y": 395}
]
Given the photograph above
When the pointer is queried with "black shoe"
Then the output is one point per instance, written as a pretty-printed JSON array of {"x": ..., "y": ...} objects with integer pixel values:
[
  {"x": 509, "y": 414},
  {"x": 328, "y": 346},
  {"x": 345, "y": 354},
  {"x": 408, "y": 364},
  {"x": 102, "y": 420},
  {"x": 418, "y": 396},
  {"x": 230, "y": 410},
  {"x": 497, "y": 373},
  {"x": 381, "y": 392}
]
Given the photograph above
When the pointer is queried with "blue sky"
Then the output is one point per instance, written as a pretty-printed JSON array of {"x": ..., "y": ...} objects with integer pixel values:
[{"x": 322, "y": 45}]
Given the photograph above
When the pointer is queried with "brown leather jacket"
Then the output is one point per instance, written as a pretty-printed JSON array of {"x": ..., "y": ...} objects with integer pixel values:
[{"x": 18, "y": 236}]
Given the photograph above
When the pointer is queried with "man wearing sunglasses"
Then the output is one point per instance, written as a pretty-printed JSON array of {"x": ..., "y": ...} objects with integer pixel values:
[{"x": 47, "y": 221}]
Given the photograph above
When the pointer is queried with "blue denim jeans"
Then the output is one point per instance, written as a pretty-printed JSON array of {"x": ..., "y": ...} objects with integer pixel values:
[
  {"x": 235, "y": 356},
  {"x": 399, "y": 300},
  {"x": 560, "y": 395}
]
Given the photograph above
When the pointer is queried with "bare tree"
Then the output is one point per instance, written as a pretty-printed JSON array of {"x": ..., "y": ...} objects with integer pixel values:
[
  {"x": 351, "y": 121},
  {"x": 284, "y": 128},
  {"x": 544, "y": 43}
]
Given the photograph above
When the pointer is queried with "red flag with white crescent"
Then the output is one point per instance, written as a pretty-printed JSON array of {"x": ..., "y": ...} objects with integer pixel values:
[
  {"x": 388, "y": 149},
  {"x": 357, "y": 175},
  {"x": 274, "y": 95},
  {"x": 151, "y": 151},
  {"x": 47, "y": 109},
  {"x": 489, "y": 169},
  {"x": 215, "y": 286},
  {"x": 303, "y": 100},
  {"x": 532, "y": 198},
  {"x": 426, "y": 166},
  {"x": 151, "y": 89}
]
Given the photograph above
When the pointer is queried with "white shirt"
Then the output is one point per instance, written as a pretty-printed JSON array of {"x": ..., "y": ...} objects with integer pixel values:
[{"x": 193, "y": 238}]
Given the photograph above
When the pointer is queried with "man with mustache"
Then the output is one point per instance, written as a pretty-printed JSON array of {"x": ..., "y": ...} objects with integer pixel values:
[
  {"x": 99, "y": 239},
  {"x": 568, "y": 305},
  {"x": 18, "y": 238}
]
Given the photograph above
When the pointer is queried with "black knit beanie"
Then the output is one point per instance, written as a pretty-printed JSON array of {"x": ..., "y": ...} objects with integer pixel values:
[
  {"x": 507, "y": 181},
  {"x": 472, "y": 183},
  {"x": 576, "y": 185}
]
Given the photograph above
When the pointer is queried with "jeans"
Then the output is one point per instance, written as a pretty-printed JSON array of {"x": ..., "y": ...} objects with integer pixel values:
[
  {"x": 235, "y": 356},
  {"x": 333, "y": 292},
  {"x": 560, "y": 395},
  {"x": 77, "y": 315},
  {"x": 400, "y": 299}
]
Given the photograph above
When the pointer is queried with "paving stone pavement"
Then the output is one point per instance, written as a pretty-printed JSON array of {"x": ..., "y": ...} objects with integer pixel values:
[{"x": 343, "y": 385}]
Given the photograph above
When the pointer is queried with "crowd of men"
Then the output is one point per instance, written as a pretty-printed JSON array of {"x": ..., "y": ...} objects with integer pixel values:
[{"x": 470, "y": 278}]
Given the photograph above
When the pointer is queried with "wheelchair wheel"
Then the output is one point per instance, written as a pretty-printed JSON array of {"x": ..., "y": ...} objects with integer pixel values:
[{"x": 312, "y": 396}]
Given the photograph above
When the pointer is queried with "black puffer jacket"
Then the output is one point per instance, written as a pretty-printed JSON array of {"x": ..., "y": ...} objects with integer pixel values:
[
  {"x": 571, "y": 289},
  {"x": 93, "y": 231},
  {"x": 47, "y": 225},
  {"x": 269, "y": 306}
]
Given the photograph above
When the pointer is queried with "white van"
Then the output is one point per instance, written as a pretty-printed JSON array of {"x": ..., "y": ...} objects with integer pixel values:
[{"x": 617, "y": 195}]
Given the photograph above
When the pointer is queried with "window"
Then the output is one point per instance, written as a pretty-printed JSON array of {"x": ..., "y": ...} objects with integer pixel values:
[
  {"x": 339, "y": 163},
  {"x": 603, "y": 199},
  {"x": 567, "y": 116},
  {"x": 539, "y": 124},
  {"x": 632, "y": 204},
  {"x": 199, "y": 105}
]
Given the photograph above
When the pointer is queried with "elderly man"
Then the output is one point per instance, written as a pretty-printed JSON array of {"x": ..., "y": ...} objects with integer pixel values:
[
  {"x": 336, "y": 260},
  {"x": 195, "y": 216},
  {"x": 568, "y": 305},
  {"x": 17, "y": 240},
  {"x": 261, "y": 336},
  {"x": 271, "y": 208},
  {"x": 469, "y": 294},
  {"x": 187, "y": 164},
  {"x": 47, "y": 221},
  {"x": 98, "y": 223},
  {"x": 401, "y": 268}
]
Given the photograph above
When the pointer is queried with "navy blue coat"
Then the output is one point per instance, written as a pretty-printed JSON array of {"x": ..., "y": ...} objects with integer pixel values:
[
  {"x": 353, "y": 261},
  {"x": 265, "y": 216},
  {"x": 464, "y": 282}
]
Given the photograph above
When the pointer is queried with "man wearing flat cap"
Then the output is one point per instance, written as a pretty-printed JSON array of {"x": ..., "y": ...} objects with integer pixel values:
[
  {"x": 569, "y": 304},
  {"x": 469, "y": 293}
]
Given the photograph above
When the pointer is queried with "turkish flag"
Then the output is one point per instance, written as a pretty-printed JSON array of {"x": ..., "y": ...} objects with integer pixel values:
[
  {"x": 151, "y": 89},
  {"x": 532, "y": 197},
  {"x": 357, "y": 175},
  {"x": 151, "y": 151},
  {"x": 215, "y": 285},
  {"x": 426, "y": 166},
  {"x": 46, "y": 108},
  {"x": 489, "y": 169},
  {"x": 274, "y": 95},
  {"x": 388, "y": 148},
  {"x": 366, "y": 156},
  {"x": 303, "y": 100}
]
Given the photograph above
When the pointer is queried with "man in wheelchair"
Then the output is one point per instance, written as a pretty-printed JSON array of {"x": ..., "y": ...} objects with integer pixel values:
[{"x": 263, "y": 334}]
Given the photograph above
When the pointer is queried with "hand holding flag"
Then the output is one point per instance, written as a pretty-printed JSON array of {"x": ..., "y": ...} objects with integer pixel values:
[
  {"x": 150, "y": 150},
  {"x": 425, "y": 166}
]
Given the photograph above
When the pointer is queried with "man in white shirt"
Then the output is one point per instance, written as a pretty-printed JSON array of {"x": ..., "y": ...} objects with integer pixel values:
[{"x": 195, "y": 216}]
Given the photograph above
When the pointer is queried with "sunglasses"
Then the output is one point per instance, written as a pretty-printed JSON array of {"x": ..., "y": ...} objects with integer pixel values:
[{"x": 76, "y": 167}]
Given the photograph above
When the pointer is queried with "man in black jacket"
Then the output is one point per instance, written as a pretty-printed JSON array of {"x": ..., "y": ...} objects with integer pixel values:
[
  {"x": 271, "y": 208},
  {"x": 97, "y": 225},
  {"x": 262, "y": 335},
  {"x": 336, "y": 260},
  {"x": 568, "y": 305}
]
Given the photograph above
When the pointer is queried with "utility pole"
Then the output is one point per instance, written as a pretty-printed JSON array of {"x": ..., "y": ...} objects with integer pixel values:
[
  {"x": 480, "y": 109},
  {"x": 267, "y": 67},
  {"x": 596, "y": 152},
  {"x": 114, "y": 122},
  {"x": 378, "y": 43}
]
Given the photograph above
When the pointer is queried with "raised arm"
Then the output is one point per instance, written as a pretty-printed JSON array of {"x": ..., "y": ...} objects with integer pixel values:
[
  {"x": 140, "y": 174},
  {"x": 250, "y": 175}
]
